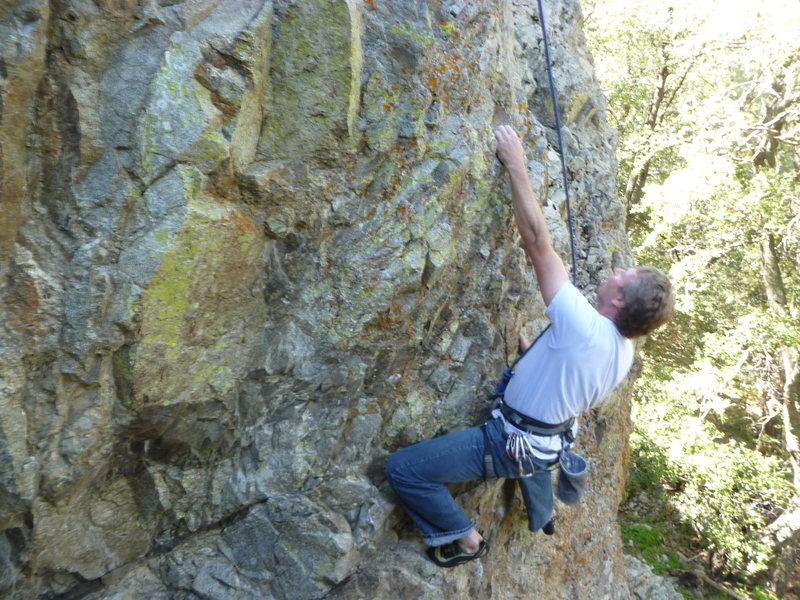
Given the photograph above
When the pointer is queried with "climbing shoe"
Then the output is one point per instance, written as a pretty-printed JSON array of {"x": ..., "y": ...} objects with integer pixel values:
[
  {"x": 549, "y": 528},
  {"x": 452, "y": 554}
]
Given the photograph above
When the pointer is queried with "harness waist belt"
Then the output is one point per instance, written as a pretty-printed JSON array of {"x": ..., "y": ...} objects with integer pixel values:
[{"x": 531, "y": 425}]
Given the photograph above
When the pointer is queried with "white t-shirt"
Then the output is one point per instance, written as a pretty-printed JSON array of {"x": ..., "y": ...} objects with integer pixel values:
[{"x": 571, "y": 368}]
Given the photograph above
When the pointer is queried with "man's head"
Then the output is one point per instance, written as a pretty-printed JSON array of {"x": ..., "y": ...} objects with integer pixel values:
[{"x": 638, "y": 300}]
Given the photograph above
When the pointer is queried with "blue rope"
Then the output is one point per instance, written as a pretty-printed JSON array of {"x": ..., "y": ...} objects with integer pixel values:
[{"x": 560, "y": 140}]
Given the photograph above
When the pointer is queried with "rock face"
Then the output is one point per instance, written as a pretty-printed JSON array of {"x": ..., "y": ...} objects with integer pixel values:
[
  {"x": 248, "y": 248},
  {"x": 645, "y": 585}
]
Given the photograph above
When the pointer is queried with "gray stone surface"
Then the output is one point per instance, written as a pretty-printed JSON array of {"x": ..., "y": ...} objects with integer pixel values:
[
  {"x": 250, "y": 248},
  {"x": 645, "y": 585}
]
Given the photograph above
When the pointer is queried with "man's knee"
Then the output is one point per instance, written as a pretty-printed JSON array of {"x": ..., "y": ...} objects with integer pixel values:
[
  {"x": 392, "y": 468},
  {"x": 397, "y": 469}
]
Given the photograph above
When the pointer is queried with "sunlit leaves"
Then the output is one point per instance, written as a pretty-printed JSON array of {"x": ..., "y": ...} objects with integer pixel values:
[
  {"x": 706, "y": 97},
  {"x": 723, "y": 489}
]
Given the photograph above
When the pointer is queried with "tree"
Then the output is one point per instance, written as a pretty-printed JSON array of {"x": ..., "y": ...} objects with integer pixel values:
[
  {"x": 707, "y": 102},
  {"x": 775, "y": 140}
]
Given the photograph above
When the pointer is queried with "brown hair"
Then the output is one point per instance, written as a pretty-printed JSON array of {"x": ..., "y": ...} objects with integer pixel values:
[{"x": 649, "y": 303}]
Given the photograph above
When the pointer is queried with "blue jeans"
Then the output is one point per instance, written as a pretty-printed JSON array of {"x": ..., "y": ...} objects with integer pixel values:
[{"x": 418, "y": 475}]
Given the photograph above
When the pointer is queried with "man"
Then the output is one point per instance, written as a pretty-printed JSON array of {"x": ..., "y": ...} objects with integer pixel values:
[{"x": 578, "y": 360}]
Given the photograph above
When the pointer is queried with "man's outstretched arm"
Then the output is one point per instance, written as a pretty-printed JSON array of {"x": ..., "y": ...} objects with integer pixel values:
[{"x": 549, "y": 267}]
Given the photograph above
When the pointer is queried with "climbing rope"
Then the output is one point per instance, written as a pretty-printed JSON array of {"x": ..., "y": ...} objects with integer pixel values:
[{"x": 560, "y": 140}]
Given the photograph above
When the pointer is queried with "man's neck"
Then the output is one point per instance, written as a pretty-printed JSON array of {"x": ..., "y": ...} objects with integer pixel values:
[{"x": 609, "y": 311}]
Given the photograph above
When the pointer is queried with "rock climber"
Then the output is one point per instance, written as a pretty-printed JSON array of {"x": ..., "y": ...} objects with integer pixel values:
[{"x": 583, "y": 355}]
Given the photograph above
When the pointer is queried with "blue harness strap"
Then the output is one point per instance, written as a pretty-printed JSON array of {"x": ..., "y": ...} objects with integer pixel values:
[{"x": 508, "y": 372}]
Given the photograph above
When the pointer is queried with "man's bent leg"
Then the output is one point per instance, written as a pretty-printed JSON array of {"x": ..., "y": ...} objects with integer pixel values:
[{"x": 418, "y": 474}]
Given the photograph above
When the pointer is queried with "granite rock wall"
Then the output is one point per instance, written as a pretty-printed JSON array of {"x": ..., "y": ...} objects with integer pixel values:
[{"x": 248, "y": 248}]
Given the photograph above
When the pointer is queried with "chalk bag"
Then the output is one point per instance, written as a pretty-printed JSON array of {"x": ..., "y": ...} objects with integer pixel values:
[{"x": 571, "y": 477}]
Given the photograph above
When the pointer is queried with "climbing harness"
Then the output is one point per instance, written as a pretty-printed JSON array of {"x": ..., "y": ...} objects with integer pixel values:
[
  {"x": 534, "y": 426},
  {"x": 560, "y": 139},
  {"x": 520, "y": 448}
]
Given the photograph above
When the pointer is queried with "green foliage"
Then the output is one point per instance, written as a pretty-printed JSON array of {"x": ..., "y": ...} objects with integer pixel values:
[
  {"x": 706, "y": 97},
  {"x": 723, "y": 489},
  {"x": 759, "y": 594},
  {"x": 650, "y": 465},
  {"x": 649, "y": 544}
]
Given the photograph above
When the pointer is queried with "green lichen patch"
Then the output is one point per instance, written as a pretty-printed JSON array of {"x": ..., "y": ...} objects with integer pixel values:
[
  {"x": 447, "y": 27},
  {"x": 252, "y": 45},
  {"x": 381, "y": 106},
  {"x": 576, "y": 105},
  {"x": 407, "y": 416},
  {"x": 316, "y": 80},
  {"x": 180, "y": 121},
  {"x": 410, "y": 32},
  {"x": 195, "y": 311}
]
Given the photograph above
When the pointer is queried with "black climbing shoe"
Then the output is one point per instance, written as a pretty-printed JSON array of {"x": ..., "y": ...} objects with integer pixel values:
[
  {"x": 452, "y": 554},
  {"x": 549, "y": 528}
]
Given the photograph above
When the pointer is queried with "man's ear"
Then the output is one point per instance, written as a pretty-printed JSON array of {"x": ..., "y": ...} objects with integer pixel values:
[{"x": 618, "y": 302}]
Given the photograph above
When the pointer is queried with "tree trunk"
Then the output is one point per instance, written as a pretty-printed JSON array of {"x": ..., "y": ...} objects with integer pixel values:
[
  {"x": 785, "y": 570},
  {"x": 791, "y": 411},
  {"x": 784, "y": 533},
  {"x": 782, "y": 98},
  {"x": 637, "y": 178},
  {"x": 776, "y": 297}
]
